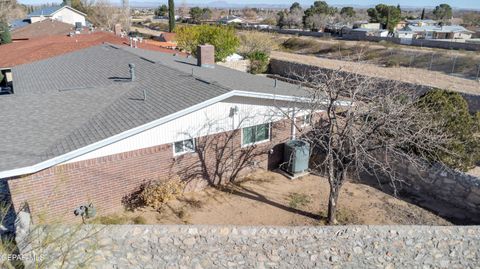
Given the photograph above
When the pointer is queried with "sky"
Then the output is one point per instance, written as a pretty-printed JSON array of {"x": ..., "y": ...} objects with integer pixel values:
[{"x": 474, "y": 4}]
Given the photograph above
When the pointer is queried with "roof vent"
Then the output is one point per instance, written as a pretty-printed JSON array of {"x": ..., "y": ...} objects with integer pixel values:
[
  {"x": 6, "y": 82},
  {"x": 132, "y": 71},
  {"x": 206, "y": 56}
]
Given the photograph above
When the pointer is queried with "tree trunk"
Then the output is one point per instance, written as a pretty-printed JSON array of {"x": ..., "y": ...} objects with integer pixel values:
[{"x": 332, "y": 206}]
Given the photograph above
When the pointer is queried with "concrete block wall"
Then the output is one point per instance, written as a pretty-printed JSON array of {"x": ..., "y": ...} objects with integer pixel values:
[{"x": 183, "y": 246}]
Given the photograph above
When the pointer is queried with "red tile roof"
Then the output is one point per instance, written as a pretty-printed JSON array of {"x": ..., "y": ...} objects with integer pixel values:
[
  {"x": 42, "y": 28},
  {"x": 35, "y": 49}
]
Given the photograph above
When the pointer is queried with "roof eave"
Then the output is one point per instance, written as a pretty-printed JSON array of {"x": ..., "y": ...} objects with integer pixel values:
[{"x": 131, "y": 132}]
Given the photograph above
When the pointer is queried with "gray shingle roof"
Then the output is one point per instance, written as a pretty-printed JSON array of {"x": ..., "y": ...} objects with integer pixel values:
[{"x": 71, "y": 101}]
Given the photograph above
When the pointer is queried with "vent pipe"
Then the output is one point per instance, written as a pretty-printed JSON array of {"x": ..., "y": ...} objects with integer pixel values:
[{"x": 132, "y": 71}]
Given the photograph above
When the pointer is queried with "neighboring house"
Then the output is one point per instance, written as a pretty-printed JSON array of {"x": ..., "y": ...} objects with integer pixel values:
[
  {"x": 40, "y": 48},
  {"x": 419, "y": 22},
  {"x": 363, "y": 32},
  {"x": 230, "y": 19},
  {"x": 440, "y": 32},
  {"x": 366, "y": 25},
  {"x": 79, "y": 128},
  {"x": 17, "y": 24},
  {"x": 405, "y": 34},
  {"x": 64, "y": 14},
  {"x": 42, "y": 29}
]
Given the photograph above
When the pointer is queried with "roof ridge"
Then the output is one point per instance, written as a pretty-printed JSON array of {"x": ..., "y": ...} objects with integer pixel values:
[{"x": 216, "y": 83}]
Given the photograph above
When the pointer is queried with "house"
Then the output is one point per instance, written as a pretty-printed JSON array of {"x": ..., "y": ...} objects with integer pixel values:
[
  {"x": 366, "y": 25},
  {"x": 64, "y": 14},
  {"x": 439, "y": 32},
  {"x": 43, "y": 28},
  {"x": 405, "y": 34},
  {"x": 420, "y": 22},
  {"x": 230, "y": 19},
  {"x": 93, "y": 125},
  {"x": 363, "y": 32},
  {"x": 40, "y": 48}
]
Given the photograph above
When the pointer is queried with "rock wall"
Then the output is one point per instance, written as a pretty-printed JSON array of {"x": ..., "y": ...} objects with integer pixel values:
[
  {"x": 288, "y": 69},
  {"x": 440, "y": 183},
  {"x": 266, "y": 247}
]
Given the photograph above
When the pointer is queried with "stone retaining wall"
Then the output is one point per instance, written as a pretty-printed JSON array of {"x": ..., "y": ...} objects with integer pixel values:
[
  {"x": 444, "y": 184},
  {"x": 289, "y": 69},
  {"x": 271, "y": 247}
]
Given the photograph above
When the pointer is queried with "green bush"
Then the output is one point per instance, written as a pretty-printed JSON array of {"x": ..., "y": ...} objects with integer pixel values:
[
  {"x": 258, "y": 62},
  {"x": 222, "y": 37},
  {"x": 5, "y": 36},
  {"x": 450, "y": 109}
]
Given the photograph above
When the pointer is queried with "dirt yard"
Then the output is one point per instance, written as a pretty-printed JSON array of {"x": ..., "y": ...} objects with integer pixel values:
[{"x": 268, "y": 198}]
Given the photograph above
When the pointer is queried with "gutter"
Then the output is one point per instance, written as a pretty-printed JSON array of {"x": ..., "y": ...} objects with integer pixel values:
[{"x": 131, "y": 132}]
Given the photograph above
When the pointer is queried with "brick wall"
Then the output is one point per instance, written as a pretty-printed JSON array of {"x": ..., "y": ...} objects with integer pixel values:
[{"x": 55, "y": 192}]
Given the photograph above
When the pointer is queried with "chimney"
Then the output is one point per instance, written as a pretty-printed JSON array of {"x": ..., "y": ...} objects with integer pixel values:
[
  {"x": 117, "y": 29},
  {"x": 206, "y": 56},
  {"x": 132, "y": 71}
]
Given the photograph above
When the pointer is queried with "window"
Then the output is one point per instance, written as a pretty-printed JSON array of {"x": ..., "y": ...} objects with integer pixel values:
[
  {"x": 255, "y": 134},
  {"x": 306, "y": 119},
  {"x": 184, "y": 146}
]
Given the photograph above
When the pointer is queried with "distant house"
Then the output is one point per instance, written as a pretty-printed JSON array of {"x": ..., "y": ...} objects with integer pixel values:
[
  {"x": 64, "y": 14},
  {"x": 366, "y": 25},
  {"x": 419, "y": 22},
  {"x": 230, "y": 19},
  {"x": 440, "y": 32},
  {"x": 363, "y": 32},
  {"x": 405, "y": 34}
]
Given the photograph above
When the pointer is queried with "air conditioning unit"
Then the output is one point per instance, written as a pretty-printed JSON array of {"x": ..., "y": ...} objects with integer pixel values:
[{"x": 296, "y": 157}]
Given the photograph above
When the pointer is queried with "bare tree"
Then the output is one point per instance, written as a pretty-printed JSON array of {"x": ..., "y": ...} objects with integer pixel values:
[
  {"x": 105, "y": 15},
  {"x": 320, "y": 21},
  {"x": 183, "y": 10},
  {"x": 10, "y": 9},
  {"x": 293, "y": 19},
  {"x": 253, "y": 41},
  {"x": 367, "y": 126}
]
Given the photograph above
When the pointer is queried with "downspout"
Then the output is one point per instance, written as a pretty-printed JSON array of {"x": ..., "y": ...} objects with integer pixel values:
[{"x": 293, "y": 125}]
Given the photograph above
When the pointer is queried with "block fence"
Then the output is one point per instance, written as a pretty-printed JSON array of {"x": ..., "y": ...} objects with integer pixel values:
[{"x": 158, "y": 246}]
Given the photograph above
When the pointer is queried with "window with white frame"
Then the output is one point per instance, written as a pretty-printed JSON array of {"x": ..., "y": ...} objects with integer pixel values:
[
  {"x": 255, "y": 134},
  {"x": 184, "y": 146},
  {"x": 306, "y": 119}
]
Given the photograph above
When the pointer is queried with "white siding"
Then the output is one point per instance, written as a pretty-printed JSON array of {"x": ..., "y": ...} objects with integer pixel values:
[
  {"x": 210, "y": 120},
  {"x": 69, "y": 16}
]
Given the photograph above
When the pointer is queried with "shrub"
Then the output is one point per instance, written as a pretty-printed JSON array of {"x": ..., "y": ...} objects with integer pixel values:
[
  {"x": 451, "y": 110},
  {"x": 298, "y": 200},
  {"x": 222, "y": 37},
  {"x": 255, "y": 41},
  {"x": 156, "y": 193},
  {"x": 296, "y": 43},
  {"x": 5, "y": 36},
  {"x": 258, "y": 62}
]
